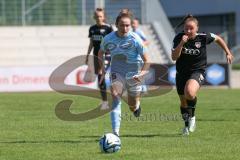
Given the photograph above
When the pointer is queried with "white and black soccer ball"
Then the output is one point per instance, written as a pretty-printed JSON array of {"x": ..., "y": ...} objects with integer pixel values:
[{"x": 110, "y": 143}]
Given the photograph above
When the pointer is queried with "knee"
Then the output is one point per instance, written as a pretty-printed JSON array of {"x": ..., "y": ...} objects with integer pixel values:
[
  {"x": 189, "y": 94},
  {"x": 117, "y": 89}
]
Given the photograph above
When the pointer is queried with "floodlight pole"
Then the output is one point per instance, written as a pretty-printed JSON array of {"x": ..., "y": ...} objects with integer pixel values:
[
  {"x": 3, "y": 11},
  {"x": 84, "y": 12},
  {"x": 23, "y": 13}
]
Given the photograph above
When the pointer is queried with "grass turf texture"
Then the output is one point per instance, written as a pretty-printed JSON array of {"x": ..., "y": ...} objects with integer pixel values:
[
  {"x": 30, "y": 130},
  {"x": 236, "y": 66}
]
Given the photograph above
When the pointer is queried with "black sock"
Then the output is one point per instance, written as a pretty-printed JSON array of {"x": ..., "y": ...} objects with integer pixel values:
[
  {"x": 191, "y": 106},
  {"x": 189, "y": 109},
  {"x": 104, "y": 95},
  {"x": 193, "y": 112},
  {"x": 192, "y": 103},
  {"x": 185, "y": 115}
]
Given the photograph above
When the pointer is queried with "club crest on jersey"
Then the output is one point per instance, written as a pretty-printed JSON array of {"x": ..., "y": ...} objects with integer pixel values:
[
  {"x": 201, "y": 78},
  {"x": 110, "y": 46},
  {"x": 198, "y": 44}
]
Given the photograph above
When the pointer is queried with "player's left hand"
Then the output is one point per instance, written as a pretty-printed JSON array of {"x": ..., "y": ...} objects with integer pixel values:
[{"x": 229, "y": 58}]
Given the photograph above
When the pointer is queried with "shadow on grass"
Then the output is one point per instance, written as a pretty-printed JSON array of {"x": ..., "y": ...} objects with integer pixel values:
[
  {"x": 225, "y": 109},
  {"x": 89, "y": 139},
  {"x": 151, "y": 135},
  {"x": 215, "y": 120},
  {"x": 139, "y": 135},
  {"x": 48, "y": 142}
]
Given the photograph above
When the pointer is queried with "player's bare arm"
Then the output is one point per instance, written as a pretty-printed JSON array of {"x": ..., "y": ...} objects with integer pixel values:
[
  {"x": 224, "y": 46},
  {"x": 90, "y": 47},
  {"x": 177, "y": 51},
  {"x": 145, "y": 67}
]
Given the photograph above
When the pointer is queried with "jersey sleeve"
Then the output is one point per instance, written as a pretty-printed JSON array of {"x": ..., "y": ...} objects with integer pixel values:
[
  {"x": 90, "y": 32},
  {"x": 142, "y": 35},
  {"x": 176, "y": 40},
  {"x": 141, "y": 48},
  {"x": 210, "y": 37}
]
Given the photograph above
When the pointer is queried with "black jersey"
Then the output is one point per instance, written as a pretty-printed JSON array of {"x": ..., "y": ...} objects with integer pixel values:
[
  {"x": 193, "y": 56},
  {"x": 96, "y": 33}
]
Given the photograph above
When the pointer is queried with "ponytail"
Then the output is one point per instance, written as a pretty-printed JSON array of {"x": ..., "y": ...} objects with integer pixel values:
[{"x": 188, "y": 16}]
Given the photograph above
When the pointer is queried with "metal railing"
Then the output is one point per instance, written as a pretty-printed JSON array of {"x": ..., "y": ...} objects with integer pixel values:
[
  {"x": 40, "y": 12},
  {"x": 155, "y": 14},
  {"x": 236, "y": 53}
]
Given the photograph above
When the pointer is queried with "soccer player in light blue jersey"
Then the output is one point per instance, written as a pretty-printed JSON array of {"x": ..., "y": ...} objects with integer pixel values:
[
  {"x": 138, "y": 31},
  {"x": 129, "y": 64}
]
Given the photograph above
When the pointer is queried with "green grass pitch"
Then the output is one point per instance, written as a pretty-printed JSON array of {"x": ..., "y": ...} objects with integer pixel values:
[{"x": 30, "y": 130}]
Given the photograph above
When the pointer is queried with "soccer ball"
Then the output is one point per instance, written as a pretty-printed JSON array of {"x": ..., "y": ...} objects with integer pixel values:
[{"x": 110, "y": 143}]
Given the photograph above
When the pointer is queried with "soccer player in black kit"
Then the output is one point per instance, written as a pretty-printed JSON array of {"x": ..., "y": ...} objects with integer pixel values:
[
  {"x": 189, "y": 52},
  {"x": 96, "y": 34}
]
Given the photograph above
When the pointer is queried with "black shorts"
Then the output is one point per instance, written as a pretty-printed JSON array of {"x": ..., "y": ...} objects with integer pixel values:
[{"x": 181, "y": 80}]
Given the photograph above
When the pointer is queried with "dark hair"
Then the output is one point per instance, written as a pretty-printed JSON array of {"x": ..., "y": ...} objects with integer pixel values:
[
  {"x": 188, "y": 17},
  {"x": 124, "y": 13},
  {"x": 136, "y": 19}
]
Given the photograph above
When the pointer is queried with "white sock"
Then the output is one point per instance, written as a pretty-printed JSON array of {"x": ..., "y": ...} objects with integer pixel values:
[{"x": 116, "y": 115}]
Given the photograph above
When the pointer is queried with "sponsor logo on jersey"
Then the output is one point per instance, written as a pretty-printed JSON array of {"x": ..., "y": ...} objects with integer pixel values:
[
  {"x": 102, "y": 30},
  {"x": 192, "y": 52},
  {"x": 126, "y": 45},
  {"x": 97, "y": 37}
]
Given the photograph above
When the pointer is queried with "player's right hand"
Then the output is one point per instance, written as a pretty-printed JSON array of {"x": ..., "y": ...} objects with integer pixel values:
[{"x": 185, "y": 38}]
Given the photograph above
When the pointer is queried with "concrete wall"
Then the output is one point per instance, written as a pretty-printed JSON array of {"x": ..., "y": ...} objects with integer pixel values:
[{"x": 176, "y": 8}]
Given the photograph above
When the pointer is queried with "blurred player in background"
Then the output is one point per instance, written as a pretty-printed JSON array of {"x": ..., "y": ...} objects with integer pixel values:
[
  {"x": 138, "y": 31},
  {"x": 96, "y": 34},
  {"x": 128, "y": 66},
  {"x": 189, "y": 52}
]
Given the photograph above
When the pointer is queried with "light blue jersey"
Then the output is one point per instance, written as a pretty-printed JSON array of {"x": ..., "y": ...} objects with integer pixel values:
[
  {"x": 140, "y": 33},
  {"x": 126, "y": 52}
]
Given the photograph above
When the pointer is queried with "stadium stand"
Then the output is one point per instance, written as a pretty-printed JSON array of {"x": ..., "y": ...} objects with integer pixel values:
[{"x": 25, "y": 46}]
